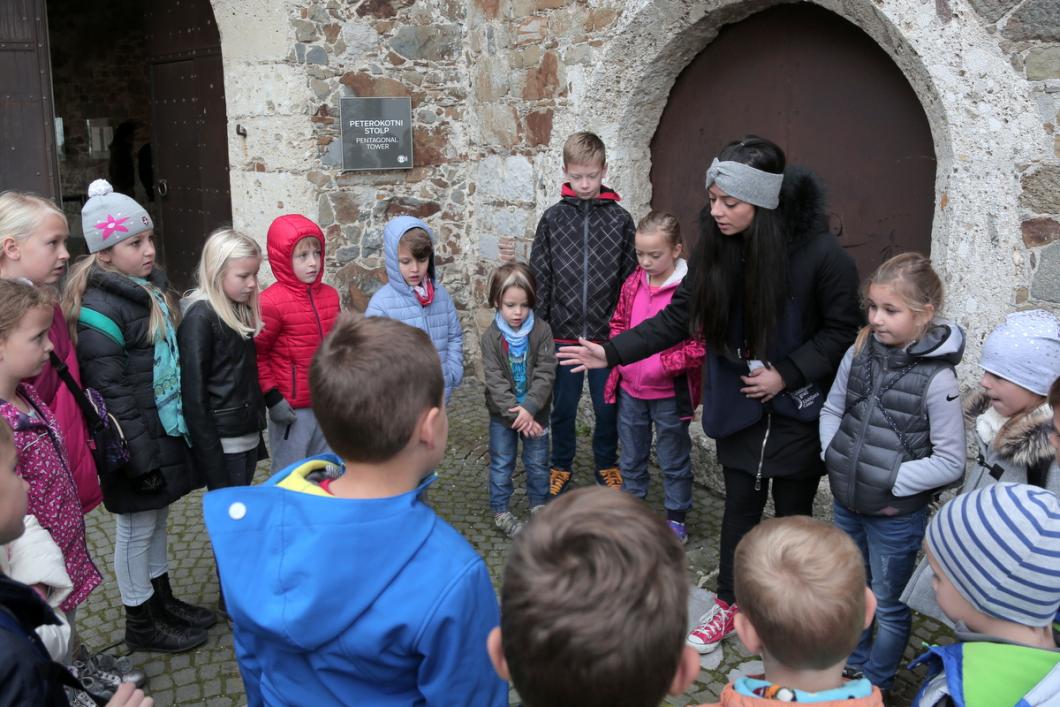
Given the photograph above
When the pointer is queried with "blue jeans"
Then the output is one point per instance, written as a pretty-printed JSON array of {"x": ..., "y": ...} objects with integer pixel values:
[
  {"x": 565, "y": 396},
  {"x": 139, "y": 553},
  {"x": 673, "y": 448},
  {"x": 504, "y": 443},
  {"x": 889, "y": 545}
]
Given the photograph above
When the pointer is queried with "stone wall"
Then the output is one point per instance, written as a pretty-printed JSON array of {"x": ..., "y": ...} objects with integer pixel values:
[{"x": 496, "y": 85}]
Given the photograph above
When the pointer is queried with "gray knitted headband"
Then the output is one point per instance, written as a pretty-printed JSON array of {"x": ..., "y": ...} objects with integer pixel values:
[{"x": 744, "y": 182}]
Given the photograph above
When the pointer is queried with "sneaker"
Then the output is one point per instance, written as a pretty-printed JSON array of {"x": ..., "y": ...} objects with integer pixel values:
[
  {"x": 80, "y": 698},
  {"x": 536, "y": 509},
  {"x": 610, "y": 477},
  {"x": 713, "y": 627},
  {"x": 679, "y": 530},
  {"x": 558, "y": 480},
  {"x": 508, "y": 523}
]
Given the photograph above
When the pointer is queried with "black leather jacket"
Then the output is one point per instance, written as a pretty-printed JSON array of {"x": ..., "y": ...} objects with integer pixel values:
[{"x": 219, "y": 382}]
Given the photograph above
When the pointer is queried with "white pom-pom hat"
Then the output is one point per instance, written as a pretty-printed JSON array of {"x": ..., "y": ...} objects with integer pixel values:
[{"x": 109, "y": 218}]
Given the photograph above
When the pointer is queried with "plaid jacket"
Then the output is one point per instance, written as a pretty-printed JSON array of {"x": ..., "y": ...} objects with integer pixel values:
[{"x": 582, "y": 253}]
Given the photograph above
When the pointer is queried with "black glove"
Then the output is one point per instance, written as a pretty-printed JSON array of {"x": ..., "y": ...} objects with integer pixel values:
[{"x": 151, "y": 482}]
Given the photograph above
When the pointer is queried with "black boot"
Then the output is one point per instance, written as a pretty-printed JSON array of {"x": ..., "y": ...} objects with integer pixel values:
[
  {"x": 181, "y": 612},
  {"x": 148, "y": 629}
]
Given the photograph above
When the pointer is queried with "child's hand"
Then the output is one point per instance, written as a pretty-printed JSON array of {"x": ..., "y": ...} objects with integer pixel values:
[
  {"x": 128, "y": 696},
  {"x": 523, "y": 419},
  {"x": 536, "y": 430}
]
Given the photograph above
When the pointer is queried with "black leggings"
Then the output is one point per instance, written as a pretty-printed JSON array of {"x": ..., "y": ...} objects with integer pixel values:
[{"x": 743, "y": 511}]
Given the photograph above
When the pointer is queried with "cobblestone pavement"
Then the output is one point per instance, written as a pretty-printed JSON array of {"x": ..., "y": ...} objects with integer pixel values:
[{"x": 209, "y": 675}]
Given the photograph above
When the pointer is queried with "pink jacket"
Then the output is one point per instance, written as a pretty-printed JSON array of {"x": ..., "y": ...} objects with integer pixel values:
[
  {"x": 682, "y": 364},
  {"x": 60, "y": 401},
  {"x": 52, "y": 493}
]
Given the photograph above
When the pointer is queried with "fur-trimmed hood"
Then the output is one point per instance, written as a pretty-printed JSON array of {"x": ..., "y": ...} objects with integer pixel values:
[
  {"x": 1027, "y": 444},
  {"x": 802, "y": 205}
]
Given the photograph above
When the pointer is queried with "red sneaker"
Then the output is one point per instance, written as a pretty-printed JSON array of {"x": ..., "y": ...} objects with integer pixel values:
[{"x": 713, "y": 627}]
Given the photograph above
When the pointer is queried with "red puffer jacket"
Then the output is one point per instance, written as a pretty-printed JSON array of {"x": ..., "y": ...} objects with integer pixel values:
[{"x": 297, "y": 316}]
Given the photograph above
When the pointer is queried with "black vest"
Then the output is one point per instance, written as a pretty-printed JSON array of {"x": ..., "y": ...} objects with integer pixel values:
[{"x": 885, "y": 424}]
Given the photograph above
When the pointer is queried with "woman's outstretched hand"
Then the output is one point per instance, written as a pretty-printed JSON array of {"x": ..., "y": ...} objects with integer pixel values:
[{"x": 584, "y": 356}]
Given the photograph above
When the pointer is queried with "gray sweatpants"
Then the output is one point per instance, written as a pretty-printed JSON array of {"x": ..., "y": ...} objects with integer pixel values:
[{"x": 294, "y": 442}]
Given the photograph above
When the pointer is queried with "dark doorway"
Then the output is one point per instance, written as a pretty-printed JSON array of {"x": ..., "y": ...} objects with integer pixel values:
[
  {"x": 824, "y": 91},
  {"x": 27, "y": 134}
]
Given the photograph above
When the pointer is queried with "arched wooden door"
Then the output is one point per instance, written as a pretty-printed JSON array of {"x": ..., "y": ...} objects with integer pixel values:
[{"x": 832, "y": 99}]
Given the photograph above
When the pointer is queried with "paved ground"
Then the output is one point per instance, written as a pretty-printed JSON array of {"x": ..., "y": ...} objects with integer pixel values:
[{"x": 209, "y": 675}]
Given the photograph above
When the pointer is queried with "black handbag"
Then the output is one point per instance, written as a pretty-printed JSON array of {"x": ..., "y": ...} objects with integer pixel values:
[{"x": 109, "y": 448}]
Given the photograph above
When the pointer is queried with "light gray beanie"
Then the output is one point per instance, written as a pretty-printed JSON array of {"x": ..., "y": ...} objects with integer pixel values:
[
  {"x": 108, "y": 218},
  {"x": 1025, "y": 349},
  {"x": 999, "y": 545}
]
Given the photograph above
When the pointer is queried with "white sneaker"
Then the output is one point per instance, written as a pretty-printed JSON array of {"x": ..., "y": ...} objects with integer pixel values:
[{"x": 507, "y": 522}]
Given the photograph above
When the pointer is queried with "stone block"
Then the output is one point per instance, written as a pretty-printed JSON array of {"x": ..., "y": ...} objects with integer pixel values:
[
  {"x": 1034, "y": 19},
  {"x": 281, "y": 142},
  {"x": 381, "y": 9},
  {"x": 1046, "y": 282},
  {"x": 360, "y": 40},
  {"x": 531, "y": 30},
  {"x": 406, "y": 206},
  {"x": 543, "y": 82},
  {"x": 1041, "y": 190},
  {"x": 504, "y": 221},
  {"x": 1042, "y": 63},
  {"x": 993, "y": 10},
  {"x": 363, "y": 84},
  {"x": 305, "y": 31},
  {"x": 345, "y": 207},
  {"x": 361, "y": 283},
  {"x": 316, "y": 55},
  {"x": 253, "y": 30},
  {"x": 499, "y": 124},
  {"x": 430, "y": 146},
  {"x": 259, "y": 197},
  {"x": 270, "y": 89},
  {"x": 1040, "y": 231},
  {"x": 505, "y": 179},
  {"x": 433, "y": 43},
  {"x": 490, "y": 79},
  {"x": 539, "y": 127},
  {"x": 600, "y": 18}
]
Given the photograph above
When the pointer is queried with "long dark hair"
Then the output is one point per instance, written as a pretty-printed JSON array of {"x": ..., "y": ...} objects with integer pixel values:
[{"x": 749, "y": 269}]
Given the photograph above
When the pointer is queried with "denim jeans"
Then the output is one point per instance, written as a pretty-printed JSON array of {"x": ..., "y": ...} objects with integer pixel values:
[
  {"x": 239, "y": 469},
  {"x": 139, "y": 553},
  {"x": 565, "y": 396},
  {"x": 504, "y": 443},
  {"x": 673, "y": 448},
  {"x": 889, "y": 545}
]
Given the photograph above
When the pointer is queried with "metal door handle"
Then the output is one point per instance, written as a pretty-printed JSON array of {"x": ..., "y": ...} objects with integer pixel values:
[{"x": 163, "y": 187}]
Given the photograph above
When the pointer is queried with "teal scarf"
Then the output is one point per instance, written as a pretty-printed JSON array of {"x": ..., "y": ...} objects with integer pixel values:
[{"x": 166, "y": 374}]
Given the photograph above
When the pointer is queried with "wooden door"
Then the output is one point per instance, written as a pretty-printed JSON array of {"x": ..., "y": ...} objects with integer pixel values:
[
  {"x": 28, "y": 159},
  {"x": 832, "y": 99},
  {"x": 189, "y": 131}
]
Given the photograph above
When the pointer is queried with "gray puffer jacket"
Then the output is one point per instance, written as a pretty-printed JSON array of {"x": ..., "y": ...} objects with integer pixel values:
[{"x": 891, "y": 427}]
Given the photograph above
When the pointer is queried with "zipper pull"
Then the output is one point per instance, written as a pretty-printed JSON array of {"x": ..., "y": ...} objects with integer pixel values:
[{"x": 758, "y": 480}]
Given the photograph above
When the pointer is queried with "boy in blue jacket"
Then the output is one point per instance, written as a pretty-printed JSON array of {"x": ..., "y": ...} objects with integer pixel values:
[
  {"x": 413, "y": 295},
  {"x": 342, "y": 585}
]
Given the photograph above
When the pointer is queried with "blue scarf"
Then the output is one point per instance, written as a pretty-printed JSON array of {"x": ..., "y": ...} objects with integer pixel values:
[
  {"x": 518, "y": 343},
  {"x": 166, "y": 373}
]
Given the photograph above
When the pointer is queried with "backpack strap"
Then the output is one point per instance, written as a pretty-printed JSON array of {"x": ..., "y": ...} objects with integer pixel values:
[{"x": 101, "y": 323}]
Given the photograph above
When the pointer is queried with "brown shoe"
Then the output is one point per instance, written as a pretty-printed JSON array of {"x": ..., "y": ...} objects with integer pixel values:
[
  {"x": 558, "y": 480},
  {"x": 610, "y": 477}
]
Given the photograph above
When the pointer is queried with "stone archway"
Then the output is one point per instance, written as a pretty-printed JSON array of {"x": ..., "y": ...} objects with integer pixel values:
[{"x": 977, "y": 106}]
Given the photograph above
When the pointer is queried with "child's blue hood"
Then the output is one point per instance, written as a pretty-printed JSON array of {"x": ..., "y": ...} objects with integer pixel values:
[
  {"x": 392, "y": 233},
  {"x": 300, "y": 568}
]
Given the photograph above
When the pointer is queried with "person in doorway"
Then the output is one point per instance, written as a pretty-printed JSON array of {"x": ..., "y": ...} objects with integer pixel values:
[
  {"x": 775, "y": 298},
  {"x": 297, "y": 312},
  {"x": 582, "y": 253}
]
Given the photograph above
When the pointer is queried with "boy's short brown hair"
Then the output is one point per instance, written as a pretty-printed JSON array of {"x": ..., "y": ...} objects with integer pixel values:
[
  {"x": 801, "y": 583},
  {"x": 584, "y": 148},
  {"x": 371, "y": 380},
  {"x": 594, "y": 603},
  {"x": 304, "y": 244},
  {"x": 418, "y": 243},
  {"x": 512, "y": 275}
]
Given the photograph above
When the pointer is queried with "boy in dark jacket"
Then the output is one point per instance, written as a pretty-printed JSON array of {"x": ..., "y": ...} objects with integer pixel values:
[{"x": 582, "y": 253}]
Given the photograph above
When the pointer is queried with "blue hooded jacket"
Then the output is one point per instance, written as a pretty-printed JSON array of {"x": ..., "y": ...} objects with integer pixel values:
[
  {"x": 351, "y": 601},
  {"x": 396, "y": 300}
]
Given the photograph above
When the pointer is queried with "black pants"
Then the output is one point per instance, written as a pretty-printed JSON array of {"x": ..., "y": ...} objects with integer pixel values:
[{"x": 743, "y": 511}]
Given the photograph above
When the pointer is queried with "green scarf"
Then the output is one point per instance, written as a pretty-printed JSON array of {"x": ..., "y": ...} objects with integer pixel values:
[{"x": 166, "y": 374}]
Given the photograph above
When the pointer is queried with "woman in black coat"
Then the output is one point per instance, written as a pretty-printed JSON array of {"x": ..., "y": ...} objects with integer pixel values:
[{"x": 775, "y": 298}]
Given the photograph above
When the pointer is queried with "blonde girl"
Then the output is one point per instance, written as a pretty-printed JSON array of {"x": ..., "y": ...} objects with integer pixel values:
[
  {"x": 224, "y": 408},
  {"x": 33, "y": 234},
  {"x": 25, "y": 319},
  {"x": 893, "y": 437},
  {"x": 126, "y": 331}
]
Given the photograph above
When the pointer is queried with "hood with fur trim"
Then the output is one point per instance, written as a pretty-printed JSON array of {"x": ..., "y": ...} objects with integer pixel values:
[{"x": 1027, "y": 442}]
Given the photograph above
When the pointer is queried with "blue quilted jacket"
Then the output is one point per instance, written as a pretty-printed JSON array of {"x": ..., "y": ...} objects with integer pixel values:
[{"x": 397, "y": 301}]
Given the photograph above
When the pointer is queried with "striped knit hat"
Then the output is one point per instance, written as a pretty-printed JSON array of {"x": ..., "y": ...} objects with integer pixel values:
[{"x": 1000, "y": 546}]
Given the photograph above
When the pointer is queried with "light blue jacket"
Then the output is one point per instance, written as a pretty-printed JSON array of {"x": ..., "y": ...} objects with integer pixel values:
[
  {"x": 340, "y": 601},
  {"x": 396, "y": 300}
]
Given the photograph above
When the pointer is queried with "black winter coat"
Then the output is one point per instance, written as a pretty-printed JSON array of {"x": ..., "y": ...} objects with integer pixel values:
[
  {"x": 28, "y": 676},
  {"x": 821, "y": 323},
  {"x": 219, "y": 382},
  {"x": 124, "y": 376},
  {"x": 582, "y": 253}
]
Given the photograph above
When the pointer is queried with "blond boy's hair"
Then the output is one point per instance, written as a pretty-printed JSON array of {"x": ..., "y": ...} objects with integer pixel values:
[
  {"x": 584, "y": 148},
  {"x": 801, "y": 583}
]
